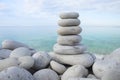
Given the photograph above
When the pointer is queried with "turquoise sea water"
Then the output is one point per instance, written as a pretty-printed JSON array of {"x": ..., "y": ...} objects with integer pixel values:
[{"x": 100, "y": 40}]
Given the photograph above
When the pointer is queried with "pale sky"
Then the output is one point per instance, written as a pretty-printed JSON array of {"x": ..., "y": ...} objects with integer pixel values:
[{"x": 45, "y": 12}]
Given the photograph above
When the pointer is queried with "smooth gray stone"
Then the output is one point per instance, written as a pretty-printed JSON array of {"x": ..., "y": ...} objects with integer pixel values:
[
  {"x": 69, "y": 40},
  {"x": 84, "y": 59},
  {"x": 73, "y": 30},
  {"x": 10, "y": 44},
  {"x": 69, "y": 15},
  {"x": 76, "y": 71},
  {"x": 46, "y": 74},
  {"x": 68, "y": 22},
  {"x": 8, "y": 62},
  {"x": 112, "y": 75},
  {"x": 91, "y": 76},
  {"x": 26, "y": 62},
  {"x": 70, "y": 50},
  {"x": 4, "y": 53},
  {"x": 100, "y": 66},
  {"x": 21, "y": 51},
  {"x": 42, "y": 59},
  {"x": 59, "y": 68},
  {"x": 15, "y": 73},
  {"x": 82, "y": 79}
]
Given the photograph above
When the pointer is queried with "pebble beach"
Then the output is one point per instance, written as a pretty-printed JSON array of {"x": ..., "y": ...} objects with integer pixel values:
[{"x": 70, "y": 59}]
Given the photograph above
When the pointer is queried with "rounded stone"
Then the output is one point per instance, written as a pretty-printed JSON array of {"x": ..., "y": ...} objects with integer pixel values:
[
  {"x": 59, "y": 68},
  {"x": 73, "y": 30},
  {"x": 111, "y": 75},
  {"x": 41, "y": 60},
  {"x": 84, "y": 59},
  {"x": 15, "y": 73},
  {"x": 68, "y": 22},
  {"x": 10, "y": 44},
  {"x": 100, "y": 66},
  {"x": 69, "y": 40},
  {"x": 63, "y": 49},
  {"x": 46, "y": 74},
  {"x": 19, "y": 52},
  {"x": 76, "y": 71},
  {"x": 26, "y": 62},
  {"x": 8, "y": 62},
  {"x": 69, "y": 15},
  {"x": 82, "y": 79},
  {"x": 4, "y": 53}
]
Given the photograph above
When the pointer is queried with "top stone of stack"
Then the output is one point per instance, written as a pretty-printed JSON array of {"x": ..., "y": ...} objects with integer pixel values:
[
  {"x": 69, "y": 19},
  {"x": 69, "y": 15}
]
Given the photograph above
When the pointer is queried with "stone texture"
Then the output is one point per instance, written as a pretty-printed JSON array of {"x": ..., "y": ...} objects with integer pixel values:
[
  {"x": 69, "y": 15},
  {"x": 26, "y": 62},
  {"x": 10, "y": 44},
  {"x": 15, "y": 73},
  {"x": 21, "y": 51},
  {"x": 8, "y": 62},
  {"x": 63, "y": 49},
  {"x": 46, "y": 74},
  {"x": 76, "y": 71},
  {"x": 111, "y": 75},
  {"x": 41, "y": 59},
  {"x": 68, "y": 22},
  {"x": 100, "y": 66},
  {"x": 83, "y": 79},
  {"x": 73, "y": 30},
  {"x": 84, "y": 59},
  {"x": 4, "y": 53},
  {"x": 59, "y": 68},
  {"x": 69, "y": 40}
]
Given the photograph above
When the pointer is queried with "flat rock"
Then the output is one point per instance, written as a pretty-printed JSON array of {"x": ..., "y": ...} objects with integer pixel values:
[
  {"x": 100, "y": 66},
  {"x": 15, "y": 73},
  {"x": 69, "y": 40},
  {"x": 59, "y": 68},
  {"x": 111, "y": 75},
  {"x": 10, "y": 44},
  {"x": 73, "y": 30},
  {"x": 69, "y": 15},
  {"x": 8, "y": 62},
  {"x": 76, "y": 71},
  {"x": 4, "y": 53},
  {"x": 46, "y": 74},
  {"x": 63, "y": 49},
  {"x": 21, "y": 51},
  {"x": 26, "y": 62},
  {"x": 41, "y": 59},
  {"x": 84, "y": 59},
  {"x": 68, "y": 22}
]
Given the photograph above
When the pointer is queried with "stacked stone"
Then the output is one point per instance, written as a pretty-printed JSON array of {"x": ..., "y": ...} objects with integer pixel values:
[
  {"x": 68, "y": 42},
  {"x": 68, "y": 49}
]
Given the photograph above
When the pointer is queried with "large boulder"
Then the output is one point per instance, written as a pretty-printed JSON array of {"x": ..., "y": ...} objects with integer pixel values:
[
  {"x": 46, "y": 74},
  {"x": 15, "y": 73},
  {"x": 76, "y": 71},
  {"x": 41, "y": 60},
  {"x": 64, "y": 49},
  {"x": 69, "y": 40},
  {"x": 10, "y": 44},
  {"x": 59, "y": 68},
  {"x": 68, "y": 22},
  {"x": 74, "y": 30},
  {"x": 21, "y": 51},
  {"x": 84, "y": 59},
  {"x": 4, "y": 53},
  {"x": 69, "y": 15}
]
